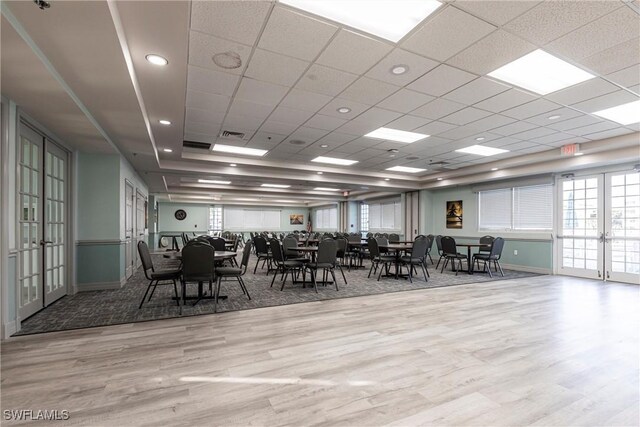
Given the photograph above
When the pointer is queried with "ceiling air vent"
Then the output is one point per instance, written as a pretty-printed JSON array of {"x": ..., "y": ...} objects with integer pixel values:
[
  {"x": 195, "y": 144},
  {"x": 436, "y": 166},
  {"x": 231, "y": 135}
]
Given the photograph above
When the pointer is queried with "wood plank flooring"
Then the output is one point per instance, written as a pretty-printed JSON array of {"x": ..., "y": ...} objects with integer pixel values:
[{"x": 541, "y": 351}]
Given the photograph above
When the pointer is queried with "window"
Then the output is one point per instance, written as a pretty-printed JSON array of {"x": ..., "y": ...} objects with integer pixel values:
[
  {"x": 251, "y": 219},
  {"x": 385, "y": 216},
  {"x": 516, "y": 209},
  {"x": 364, "y": 218},
  {"x": 215, "y": 218},
  {"x": 327, "y": 219}
]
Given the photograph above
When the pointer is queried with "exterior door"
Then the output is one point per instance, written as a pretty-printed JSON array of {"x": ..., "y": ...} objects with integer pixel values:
[
  {"x": 128, "y": 226},
  {"x": 55, "y": 223}
]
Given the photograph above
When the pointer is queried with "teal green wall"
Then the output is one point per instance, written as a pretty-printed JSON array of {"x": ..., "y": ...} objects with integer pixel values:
[
  {"x": 99, "y": 263},
  {"x": 353, "y": 219}
]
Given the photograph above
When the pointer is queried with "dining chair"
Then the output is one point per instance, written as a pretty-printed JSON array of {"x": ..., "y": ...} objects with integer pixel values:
[
  {"x": 438, "y": 240},
  {"x": 417, "y": 258},
  {"x": 155, "y": 277},
  {"x": 262, "y": 253},
  {"x": 326, "y": 261},
  {"x": 377, "y": 258},
  {"x": 283, "y": 265},
  {"x": 237, "y": 272},
  {"x": 494, "y": 255},
  {"x": 450, "y": 253},
  {"x": 198, "y": 266}
]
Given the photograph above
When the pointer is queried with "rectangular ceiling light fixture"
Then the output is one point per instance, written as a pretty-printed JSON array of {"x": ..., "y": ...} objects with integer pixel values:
[
  {"x": 275, "y": 185},
  {"x": 388, "y": 19},
  {"x": 405, "y": 169},
  {"x": 541, "y": 73},
  {"x": 213, "y": 181},
  {"x": 239, "y": 150},
  {"x": 396, "y": 135},
  {"x": 334, "y": 161},
  {"x": 326, "y": 189},
  {"x": 482, "y": 150},
  {"x": 624, "y": 114}
]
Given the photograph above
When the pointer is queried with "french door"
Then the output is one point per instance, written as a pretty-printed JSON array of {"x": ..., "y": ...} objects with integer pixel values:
[
  {"x": 41, "y": 221},
  {"x": 599, "y": 227},
  {"x": 129, "y": 237}
]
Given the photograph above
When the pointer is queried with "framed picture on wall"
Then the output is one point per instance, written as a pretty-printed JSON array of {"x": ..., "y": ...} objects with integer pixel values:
[
  {"x": 454, "y": 214},
  {"x": 296, "y": 219}
]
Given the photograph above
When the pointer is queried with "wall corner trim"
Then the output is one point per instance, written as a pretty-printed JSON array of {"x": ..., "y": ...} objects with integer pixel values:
[
  {"x": 528, "y": 269},
  {"x": 99, "y": 286}
]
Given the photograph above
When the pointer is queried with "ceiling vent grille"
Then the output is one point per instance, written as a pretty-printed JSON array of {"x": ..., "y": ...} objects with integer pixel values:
[
  {"x": 231, "y": 135},
  {"x": 195, "y": 144}
]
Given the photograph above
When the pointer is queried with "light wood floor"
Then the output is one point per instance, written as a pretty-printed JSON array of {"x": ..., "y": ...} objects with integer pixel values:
[{"x": 541, "y": 351}]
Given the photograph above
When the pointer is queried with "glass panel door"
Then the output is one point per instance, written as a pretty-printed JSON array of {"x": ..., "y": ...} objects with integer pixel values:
[
  {"x": 622, "y": 234},
  {"x": 580, "y": 230},
  {"x": 128, "y": 226}
]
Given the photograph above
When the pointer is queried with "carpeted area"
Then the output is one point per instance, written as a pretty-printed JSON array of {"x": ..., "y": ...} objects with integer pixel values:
[{"x": 101, "y": 308}]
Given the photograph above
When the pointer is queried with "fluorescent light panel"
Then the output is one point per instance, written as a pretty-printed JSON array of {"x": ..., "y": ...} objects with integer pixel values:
[
  {"x": 396, "y": 135},
  {"x": 482, "y": 150},
  {"x": 624, "y": 114},
  {"x": 213, "y": 181},
  {"x": 405, "y": 169},
  {"x": 541, "y": 73},
  {"x": 389, "y": 19},
  {"x": 238, "y": 150},
  {"x": 334, "y": 161},
  {"x": 275, "y": 185},
  {"x": 326, "y": 189}
]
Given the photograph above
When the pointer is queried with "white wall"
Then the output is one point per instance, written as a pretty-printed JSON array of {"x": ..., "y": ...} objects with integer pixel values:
[{"x": 127, "y": 173}]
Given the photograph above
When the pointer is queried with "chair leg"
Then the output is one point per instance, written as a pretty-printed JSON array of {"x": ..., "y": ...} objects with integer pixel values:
[
  {"x": 372, "y": 264},
  {"x": 313, "y": 279},
  {"x": 284, "y": 278},
  {"x": 424, "y": 271},
  {"x": 341, "y": 271},
  {"x": 273, "y": 279},
  {"x": 410, "y": 268},
  {"x": 334, "y": 279},
  {"x": 153, "y": 290},
  {"x": 487, "y": 268},
  {"x": 145, "y": 295},
  {"x": 175, "y": 289},
  {"x": 244, "y": 287},
  {"x": 380, "y": 273},
  {"x": 256, "y": 267},
  {"x": 444, "y": 264},
  {"x": 438, "y": 264},
  {"x": 431, "y": 259},
  {"x": 500, "y": 267},
  {"x": 217, "y": 292},
  {"x": 424, "y": 265}
]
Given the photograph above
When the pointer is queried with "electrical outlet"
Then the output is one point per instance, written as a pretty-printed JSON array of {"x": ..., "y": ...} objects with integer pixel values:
[{"x": 515, "y": 252}]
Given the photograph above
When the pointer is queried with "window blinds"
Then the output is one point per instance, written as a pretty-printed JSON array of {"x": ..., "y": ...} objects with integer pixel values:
[
  {"x": 495, "y": 209},
  {"x": 251, "y": 219},
  {"x": 385, "y": 216},
  {"x": 517, "y": 209},
  {"x": 326, "y": 219}
]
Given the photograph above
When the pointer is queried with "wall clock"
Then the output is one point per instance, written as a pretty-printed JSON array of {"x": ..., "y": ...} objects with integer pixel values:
[{"x": 180, "y": 214}]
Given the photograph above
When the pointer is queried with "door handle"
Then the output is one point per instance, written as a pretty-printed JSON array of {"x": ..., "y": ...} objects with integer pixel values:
[
  {"x": 45, "y": 242},
  {"x": 601, "y": 238}
]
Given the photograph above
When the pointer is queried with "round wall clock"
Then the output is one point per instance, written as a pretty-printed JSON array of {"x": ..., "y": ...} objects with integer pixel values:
[{"x": 180, "y": 214}]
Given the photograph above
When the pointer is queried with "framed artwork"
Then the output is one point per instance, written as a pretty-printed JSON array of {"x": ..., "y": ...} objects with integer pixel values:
[
  {"x": 454, "y": 214},
  {"x": 296, "y": 219}
]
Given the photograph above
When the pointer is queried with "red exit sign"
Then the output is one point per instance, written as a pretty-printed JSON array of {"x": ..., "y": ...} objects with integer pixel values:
[{"x": 570, "y": 149}]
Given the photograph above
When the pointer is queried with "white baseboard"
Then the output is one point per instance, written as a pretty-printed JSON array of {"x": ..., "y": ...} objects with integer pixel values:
[
  {"x": 98, "y": 286},
  {"x": 9, "y": 329},
  {"x": 538, "y": 270}
]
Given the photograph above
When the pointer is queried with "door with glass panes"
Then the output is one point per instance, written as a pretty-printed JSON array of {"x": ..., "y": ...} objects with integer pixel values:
[{"x": 599, "y": 227}]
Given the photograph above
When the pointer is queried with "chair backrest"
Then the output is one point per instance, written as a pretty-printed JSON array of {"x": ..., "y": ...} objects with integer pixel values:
[
  {"x": 342, "y": 247},
  {"x": 382, "y": 241},
  {"x": 448, "y": 245},
  {"x": 327, "y": 251},
  {"x": 372, "y": 244},
  {"x": 439, "y": 243},
  {"x": 246, "y": 253},
  {"x": 290, "y": 244},
  {"x": 276, "y": 251},
  {"x": 486, "y": 240},
  {"x": 197, "y": 261},
  {"x": 496, "y": 248},
  {"x": 419, "y": 249},
  {"x": 354, "y": 238},
  {"x": 261, "y": 244},
  {"x": 430, "y": 238},
  {"x": 145, "y": 257},
  {"x": 394, "y": 238},
  {"x": 218, "y": 243}
]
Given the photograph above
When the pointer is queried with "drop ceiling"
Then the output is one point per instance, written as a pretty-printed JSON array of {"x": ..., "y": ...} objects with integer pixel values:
[{"x": 296, "y": 70}]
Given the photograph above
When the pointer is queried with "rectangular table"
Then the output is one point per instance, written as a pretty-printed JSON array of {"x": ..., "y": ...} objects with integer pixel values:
[{"x": 469, "y": 246}]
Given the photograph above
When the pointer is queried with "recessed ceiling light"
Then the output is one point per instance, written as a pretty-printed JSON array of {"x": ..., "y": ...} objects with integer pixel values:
[
  {"x": 388, "y": 19},
  {"x": 164, "y": 122},
  {"x": 343, "y": 110},
  {"x": 212, "y": 181},
  {"x": 405, "y": 169},
  {"x": 326, "y": 189},
  {"x": 239, "y": 150},
  {"x": 324, "y": 146},
  {"x": 480, "y": 138},
  {"x": 319, "y": 173},
  {"x": 541, "y": 73},
  {"x": 334, "y": 161},
  {"x": 167, "y": 150},
  {"x": 399, "y": 69},
  {"x": 156, "y": 59},
  {"x": 275, "y": 185},
  {"x": 396, "y": 135},
  {"x": 494, "y": 169},
  {"x": 439, "y": 179},
  {"x": 387, "y": 179},
  {"x": 392, "y": 155},
  {"x": 624, "y": 114},
  {"x": 233, "y": 165},
  {"x": 482, "y": 150},
  {"x": 554, "y": 117},
  {"x": 578, "y": 154}
]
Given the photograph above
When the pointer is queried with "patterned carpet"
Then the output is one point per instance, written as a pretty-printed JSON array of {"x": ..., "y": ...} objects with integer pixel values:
[{"x": 101, "y": 308}]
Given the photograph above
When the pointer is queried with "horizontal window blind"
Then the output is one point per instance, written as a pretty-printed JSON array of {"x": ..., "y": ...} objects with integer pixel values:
[
  {"x": 527, "y": 208},
  {"x": 495, "y": 209},
  {"x": 326, "y": 219},
  {"x": 385, "y": 216},
  {"x": 251, "y": 219}
]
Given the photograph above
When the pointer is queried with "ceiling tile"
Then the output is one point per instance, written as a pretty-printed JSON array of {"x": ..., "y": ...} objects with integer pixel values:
[
  {"x": 408, "y": 122},
  {"x": 325, "y": 80},
  {"x": 616, "y": 58},
  {"x": 368, "y": 91},
  {"x": 331, "y": 109},
  {"x": 512, "y": 128},
  {"x": 202, "y": 137},
  {"x": 607, "y": 134},
  {"x": 280, "y": 128},
  {"x": 596, "y": 127},
  {"x": 582, "y": 91},
  {"x": 353, "y": 52},
  {"x": 378, "y": 116},
  {"x": 240, "y": 123},
  {"x": 626, "y": 77},
  {"x": 241, "y": 107},
  {"x": 260, "y": 92},
  {"x": 501, "y": 142},
  {"x": 441, "y": 80},
  {"x": 204, "y": 116},
  {"x": 265, "y": 140},
  {"x": 304, "y": 100},
  {"x": 239, "y": 21},
  {"x": 606, "y": 32},
  {"x": 275, "y": 68},
  {"x": 465, "y": 116},
  {"x": 493, "y": 121},
  {"x": 476, "y": 91},
  {"x": 497, "y": 12},
  {"x": 320, "y": 121},
  {"x": 491, "y": 53},
  {"x": 357, "y": 127},
  {"x": 437, "y": 108},
  {"x": 461, "y": 132},
  {"x": 564, "y": 113},
  {"x": 417, "y": 66},
  {"x": 405, "y": 100},
  {"x": 505, "y": 100},
  {"x": 335, "y": 139},
  {"x": 552, "y": 19},
  {"x": 447, "y": 33},
  {"x": 574, "y": 123},
  {"x": 293, "y": 34},
  {"x": 606, "y": 101},
  {"x": 290, "y": 115},
  {"x": 202, "y": 47},
  {"x": 533, "y": 133},
  {"x": 435, "y": 128},
  {"x": 307, "y": 134},
  {"x": 210, "y": 81},
  {"x": 531, "y": 109},
  {"x": 207, "y": 101},
  {"x": 552, "y": 138},
  {"x": 204, "y": 128}
]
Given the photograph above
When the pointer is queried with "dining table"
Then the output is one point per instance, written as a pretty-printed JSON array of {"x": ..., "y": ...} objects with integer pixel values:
[
  {"x": 469, "y": 246},
  {"x": 397, "y": 248}
]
